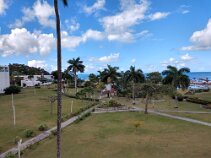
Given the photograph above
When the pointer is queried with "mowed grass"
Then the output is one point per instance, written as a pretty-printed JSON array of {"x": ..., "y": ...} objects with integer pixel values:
[
  {"x": 32, "y": 109},
  {"x": 204, "y": 96},
  {"x": 164, "y": 103},
  {"x": 200, "y": 117},
  {"x": 113, "y": 135}
]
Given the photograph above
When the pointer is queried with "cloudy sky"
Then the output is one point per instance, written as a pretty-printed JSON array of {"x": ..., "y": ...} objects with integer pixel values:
[{"x": 149, "y": 34}]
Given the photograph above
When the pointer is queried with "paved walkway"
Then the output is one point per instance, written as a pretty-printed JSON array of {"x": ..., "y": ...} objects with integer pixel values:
[
  {"x": 185, "y": 111},
  {"x": 45, "y": 134},
  {"x": 157, "y": 113},
  {"x": 178, "y": 117}
]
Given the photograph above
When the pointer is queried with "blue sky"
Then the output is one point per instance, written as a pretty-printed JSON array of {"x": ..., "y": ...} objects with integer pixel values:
[{"x": 149, "y": 34}]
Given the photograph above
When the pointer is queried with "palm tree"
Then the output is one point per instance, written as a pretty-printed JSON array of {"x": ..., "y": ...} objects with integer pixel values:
[
  {"x": 59, "y": 89},
  {"x": 75, "y": 66},
  {"x": 176, "y": 77},
  {"x": 109, "y": 72},
  {"x": 135, "y": 76}
]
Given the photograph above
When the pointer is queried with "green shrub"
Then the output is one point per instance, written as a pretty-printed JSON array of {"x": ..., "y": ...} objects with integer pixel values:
[
  {"x": 42, "y": 127},
  {"x": 113, "y": 103},
  {"x": 197, "y": 101},
  {"x": 37, "y": 85},
  {"x": 10, "y": 155},
  {"x": 180, "y": 97},
  {"x": 29, "y": 133},
  {"x": 12, "y": 89},
  {"x": 54, "y": 132},
  {"x": 17, "y": 139},
  {"x": 83, "y": 117}
]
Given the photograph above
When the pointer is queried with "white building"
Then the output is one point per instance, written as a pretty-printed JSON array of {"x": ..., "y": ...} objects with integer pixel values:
[
  {"x": 4, "y": 78},
  {"x": 28, "y": 81}
]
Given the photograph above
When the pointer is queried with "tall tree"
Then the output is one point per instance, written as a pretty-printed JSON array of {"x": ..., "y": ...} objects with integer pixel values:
[
  {"x": 109, "y": 72},
  {"x": 59, "y": 65},
  {"x": 75, "y": 66},
  {"x": 134, "y": 76},
  {"x": 154, "y": 77},
  {"x": 176, "y": 78}
]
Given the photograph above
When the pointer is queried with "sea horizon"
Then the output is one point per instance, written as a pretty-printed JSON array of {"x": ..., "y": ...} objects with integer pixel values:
[{"x": 192, "y": 75}]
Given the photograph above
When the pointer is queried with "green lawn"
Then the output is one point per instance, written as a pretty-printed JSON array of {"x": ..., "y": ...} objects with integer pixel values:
[
  {"x": 200, "y": 117},
  {"x": 114, "y": 136},
  {"x": 164, "y": 104},
  {"x": 204, "y": 96},
  {"x": 32, "y": 109}
]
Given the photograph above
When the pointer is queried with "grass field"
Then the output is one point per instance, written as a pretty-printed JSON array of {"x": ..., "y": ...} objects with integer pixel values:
[
  {"x": 32, "y": 109},
  {"x": 200, "y": 117},
  {"x": 114, "y": 136},
  {"x": 204, "y": 96},
  {"x": 164, "y": 104}
]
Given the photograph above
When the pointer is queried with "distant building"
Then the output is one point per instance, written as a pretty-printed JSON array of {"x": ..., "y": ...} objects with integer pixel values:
[
  {"x": 30, "y": 81},
  {"x": 4, "y": 78}
]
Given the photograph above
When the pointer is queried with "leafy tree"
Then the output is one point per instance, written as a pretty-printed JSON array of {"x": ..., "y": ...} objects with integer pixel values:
[
  {"x": 151, "y": 90},
  {"x": 154, "y": 77},
  {"x": 76, "y": 65},
  {"x": 134, "y": 76},
  {"x": 176, "y": 77},
  {"x": 21, "y": 69},
  {"x": 109, "y": 72},
  {"x": 59, "y": 65},
  {"x": 93, "y": 78}
]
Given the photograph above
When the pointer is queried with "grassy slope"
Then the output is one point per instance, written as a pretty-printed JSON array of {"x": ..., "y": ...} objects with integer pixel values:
[
  {"x": 114, "y": 135},
  {"x": 166, "y": 104},
  {"x": 204, "y": 95},
  {"x": 31, "y": 111},
  {"x": 200, "y": 117}
]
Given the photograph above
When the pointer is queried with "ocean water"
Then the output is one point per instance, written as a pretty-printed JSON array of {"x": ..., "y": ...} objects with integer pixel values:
[
  {"x": 192, "y": 75},
  {"x": 199, "y": 75}
]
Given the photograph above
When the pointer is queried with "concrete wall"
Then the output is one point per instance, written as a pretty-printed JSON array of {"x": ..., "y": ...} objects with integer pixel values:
[{"x": 4, "y": 78}]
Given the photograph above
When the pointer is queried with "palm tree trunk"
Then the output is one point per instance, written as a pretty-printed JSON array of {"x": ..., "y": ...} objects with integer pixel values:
[
  {"x": 133, "y": 92},
  {"x": 146, "y": 104},
  {"x": 75, "y": 83},
  {"x": 59, "y": 85}
]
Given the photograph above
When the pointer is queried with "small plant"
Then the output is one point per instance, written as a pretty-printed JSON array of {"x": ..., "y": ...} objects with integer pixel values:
[
  {"x": 42, "y": 127},
  {"x": 17, "y": 139},
  {"x": 113, "y": 103},
  {"x": 12, "y": 89},
  {"x": 180, "y": 97},
  {"x": 137, "y": 124},
  {"x": 83, "y": 117},
  {"x": 37, "y": 85},
  {"x": 54, "y": 132},
  {"x": 29, "y": 133},
  {"x": 10, "y": 155}
]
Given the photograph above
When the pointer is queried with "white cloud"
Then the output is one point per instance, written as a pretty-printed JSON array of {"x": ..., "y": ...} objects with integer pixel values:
[
  {"x": 37, "y": 63},
  {"x": 186, "y": 57},
  {"x": 92, "y": 34},
  {"x": 171, "y": 61},
  {"x": 117, "y": 27},
  {"x": 133, "y": 60},
  {"x": 21, "y": 41},
  {"x": 72, "y": 25},
  {"x": 106, "y": 59},
  {"x": 41, "y": 11},
  {"x": 127, "y": 4},
  {"x": 125, "y": 19},
  {"x": 125, "y": 37},
  {"x": 184, "y": 9},
  {"x": 98, "y": 5},
  {"x": 201, "y": 40},
  {"x": 181, "y": 62},
  {"x": 158, "y": 15},
  {"x": 3, "y": 6},
  {"x": 72, "y": 42}
]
